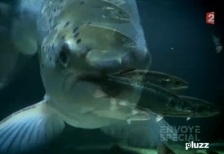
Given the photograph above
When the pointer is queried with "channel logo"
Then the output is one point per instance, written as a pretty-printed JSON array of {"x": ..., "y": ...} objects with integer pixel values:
[
  {"x": 210, "y": 18},
  {"x": 196, "y": 145}
]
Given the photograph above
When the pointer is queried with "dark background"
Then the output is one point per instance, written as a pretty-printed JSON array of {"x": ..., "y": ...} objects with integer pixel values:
[
  {"x": 177, "y": 24},
  {"x": 181, "y": 25}
]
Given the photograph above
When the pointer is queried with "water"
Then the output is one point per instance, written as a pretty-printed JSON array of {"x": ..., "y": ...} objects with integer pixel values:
[{"x": 180, "y": 43}]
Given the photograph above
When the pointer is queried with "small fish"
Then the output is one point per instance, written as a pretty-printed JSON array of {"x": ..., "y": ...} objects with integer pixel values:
[
  {"x": 202, "y": 107},
  {"x": 119, "y": 43},
  {"x": 127, "y": 89},
  {"x": 199, "y": 108},
  {"x": 154, "y": 98},
  {"x": 177, "y": 106},
  {"x": 163, "y": 80}
]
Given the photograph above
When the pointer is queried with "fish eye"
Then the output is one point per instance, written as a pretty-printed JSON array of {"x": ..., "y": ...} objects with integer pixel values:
[
  {"x": 171, "y": 104},
  {"x": 63, "y": 55},
  {"x": 177, "y": 83},
  {"x": 188, "y": 106}
]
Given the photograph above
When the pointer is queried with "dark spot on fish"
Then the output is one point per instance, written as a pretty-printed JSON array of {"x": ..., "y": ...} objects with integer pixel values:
[
  {"x": 63, "y": 37},
  {"x": 119, "y": 12},
  {"x": 88, "y": 23},
  {"x": 48, "y": 48},
  {"x": 52, "y": 47},
  {"x": 66, "y": 24},
  {"x": 76, "y": 35},
  {"x": 78, "y": 41},
  {"x": 50, "y": 19},
  {"x": 74, "y": 30},
  {"x": 81, "y": 2}
]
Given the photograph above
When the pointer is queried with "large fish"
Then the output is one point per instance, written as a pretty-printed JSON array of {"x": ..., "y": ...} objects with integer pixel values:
[
  {"x": 72, "y": 35},
  {"x": 17, "y": 42}
]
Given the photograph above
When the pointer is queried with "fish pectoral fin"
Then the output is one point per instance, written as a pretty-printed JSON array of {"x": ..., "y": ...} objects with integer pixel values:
[
  {"x": 29, "y": 128},
  {"x": 142, "y": 134}
]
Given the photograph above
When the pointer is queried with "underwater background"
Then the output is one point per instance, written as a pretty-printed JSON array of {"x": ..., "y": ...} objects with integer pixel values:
[{"x": 180, "y": 43}]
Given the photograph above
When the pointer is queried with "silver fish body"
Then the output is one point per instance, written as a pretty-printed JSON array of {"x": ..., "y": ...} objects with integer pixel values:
[
  {"x": 163, "y": 80},
  {"x": 66, "y": 54}
]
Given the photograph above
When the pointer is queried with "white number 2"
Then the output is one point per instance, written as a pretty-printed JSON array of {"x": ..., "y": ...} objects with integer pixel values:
[{"x": 211, "y": 18}]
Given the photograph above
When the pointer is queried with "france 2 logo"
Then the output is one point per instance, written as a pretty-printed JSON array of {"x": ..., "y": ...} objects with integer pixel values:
[{"x": 210, "y": 18}]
